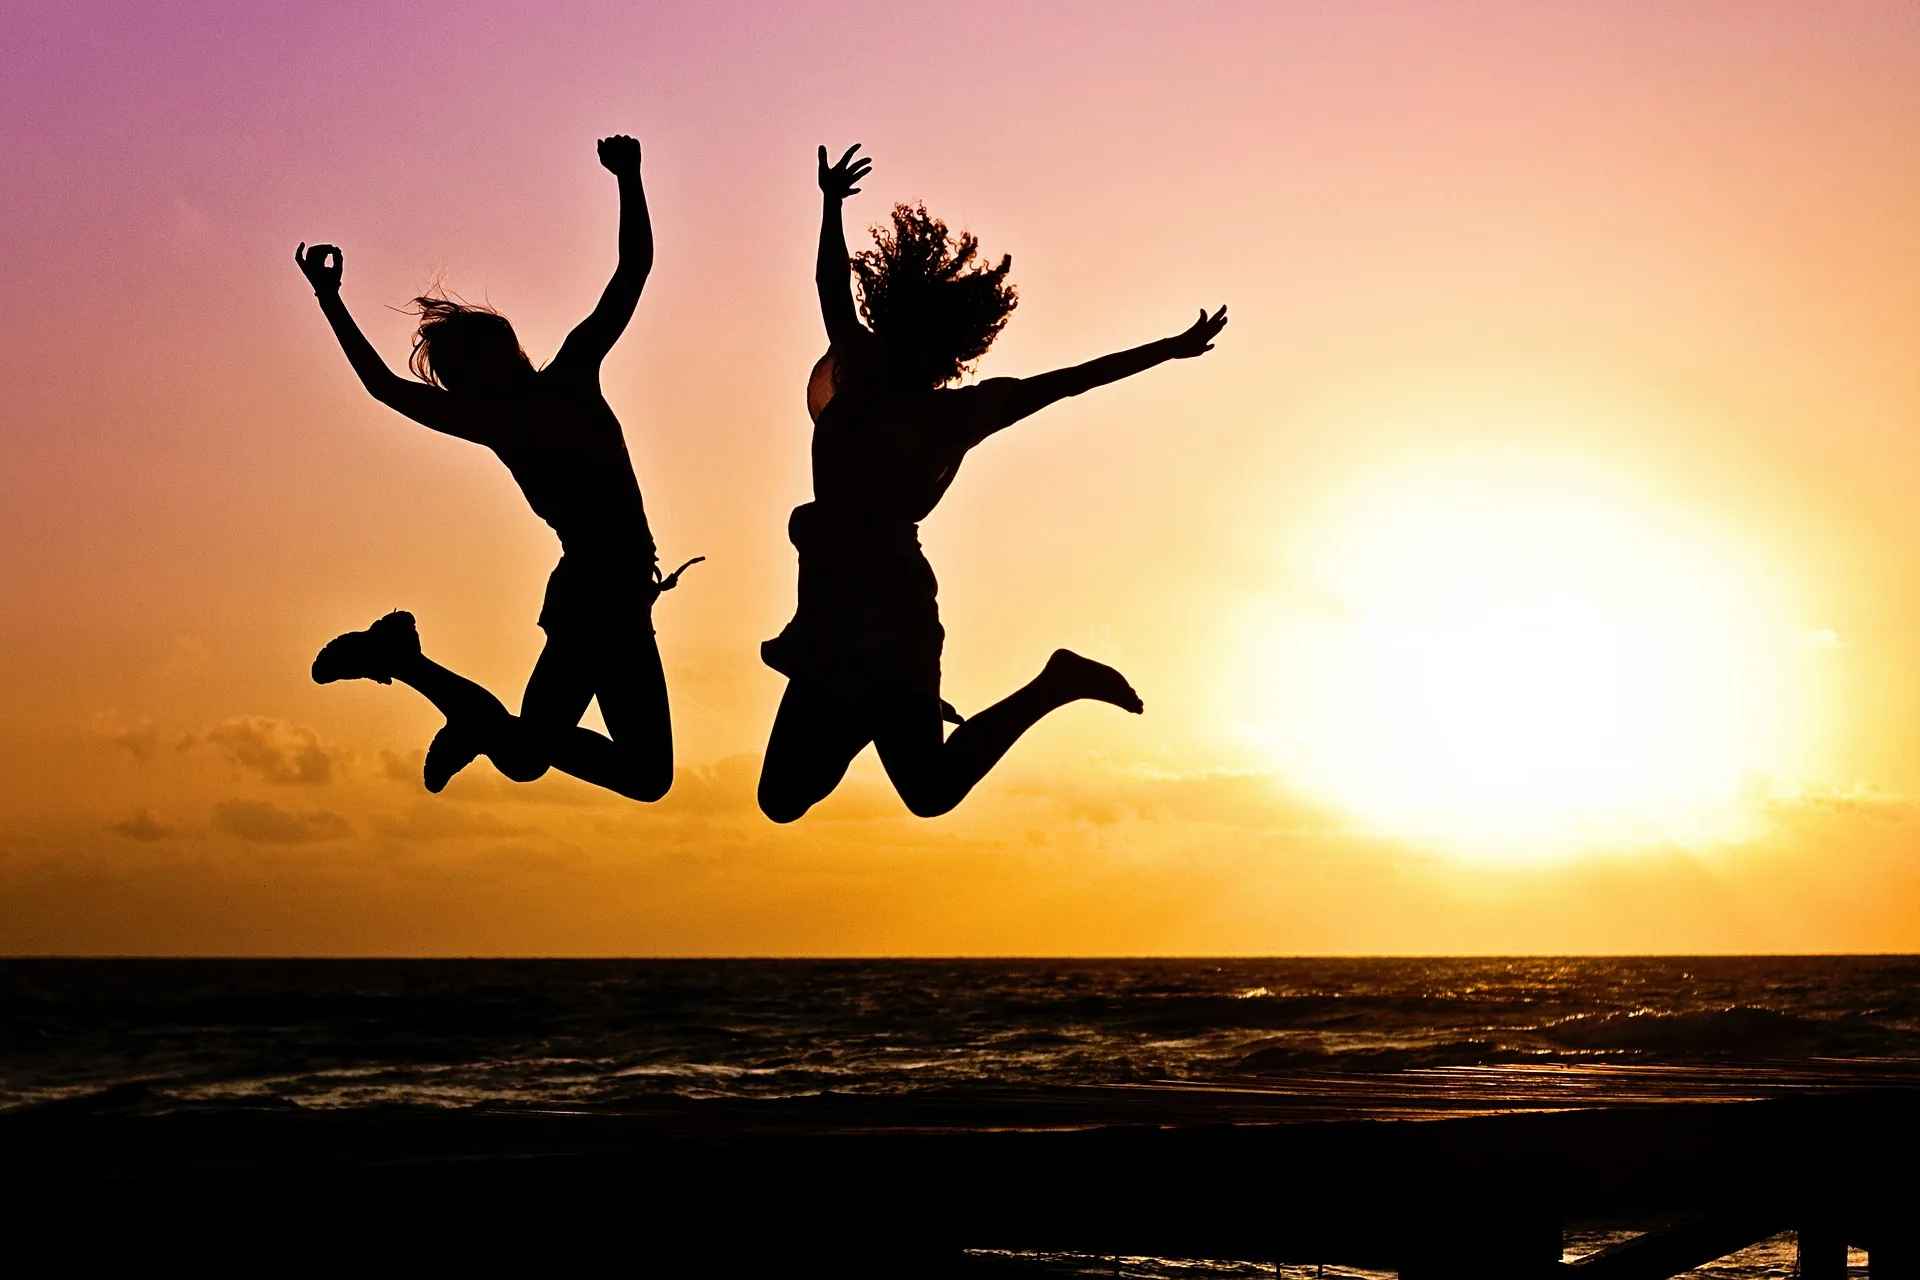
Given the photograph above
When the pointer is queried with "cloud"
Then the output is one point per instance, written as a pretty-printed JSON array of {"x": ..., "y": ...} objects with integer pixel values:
[
  {"x": 726, "y": 786},
  {"x": 404, "y": 767},
  {"x": 142, "y": 827},
  {"x": 1252, "y": 800},
  {"x": 276, "y": 750},
  {"x": 138, "y": 739},
  {"x": 264, "y": 823},
  {"x": 525, "y": 859},
  {"x": 479, "y": 783},
  {"x": 441, "y": 821}
]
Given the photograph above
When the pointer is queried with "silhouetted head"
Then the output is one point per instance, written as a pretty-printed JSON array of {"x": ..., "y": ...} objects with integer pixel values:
[
  {"x": 934, "y": 306},
  {"x": 466, "y": 348}
]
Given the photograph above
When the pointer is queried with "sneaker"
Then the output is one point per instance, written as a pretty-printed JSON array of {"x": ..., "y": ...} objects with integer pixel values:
[
  {"x": 372, "y": 654},
  {"x": 451, "y": 750}
]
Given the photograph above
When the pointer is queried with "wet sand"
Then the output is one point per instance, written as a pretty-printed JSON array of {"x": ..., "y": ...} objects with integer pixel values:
[{"x": 1433, "y": 1173}]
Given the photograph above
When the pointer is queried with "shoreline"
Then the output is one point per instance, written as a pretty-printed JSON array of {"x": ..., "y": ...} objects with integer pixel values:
[{"x": 1368, "y": 1176}]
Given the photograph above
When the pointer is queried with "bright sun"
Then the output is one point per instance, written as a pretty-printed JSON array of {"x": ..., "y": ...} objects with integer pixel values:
[{"x": 1514, "y": 661}]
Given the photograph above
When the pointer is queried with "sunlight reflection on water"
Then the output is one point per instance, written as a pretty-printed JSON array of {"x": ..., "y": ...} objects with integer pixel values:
[
  {"x": 1770, "y": 1258},
  {"x": 613, "y": 1034}
]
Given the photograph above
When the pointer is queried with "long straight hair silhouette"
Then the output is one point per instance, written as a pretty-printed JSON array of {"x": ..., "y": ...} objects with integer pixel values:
[{"x": 555, "y": 432}]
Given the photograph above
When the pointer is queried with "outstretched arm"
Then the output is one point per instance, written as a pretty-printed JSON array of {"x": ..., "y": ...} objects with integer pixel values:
[
  {"x": 830, "y": 267},
  {"x": 1011, "y": 399},
  {"x": 593, "y": 337},
  {"x": 322, "y": 265}
]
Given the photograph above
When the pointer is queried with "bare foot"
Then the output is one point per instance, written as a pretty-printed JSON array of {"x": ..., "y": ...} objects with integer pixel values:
[{"x": 1079, "y": 677}]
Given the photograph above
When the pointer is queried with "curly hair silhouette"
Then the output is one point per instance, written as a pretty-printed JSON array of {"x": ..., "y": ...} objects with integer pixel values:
[
  {"x": 928, "y": 297},
  {"x": 862, "y": 653}
]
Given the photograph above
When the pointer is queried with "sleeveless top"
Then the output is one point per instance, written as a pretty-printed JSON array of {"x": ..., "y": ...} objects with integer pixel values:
[
  {"x": 868, "y": 617},
  {"x": 566, "y": 452}
]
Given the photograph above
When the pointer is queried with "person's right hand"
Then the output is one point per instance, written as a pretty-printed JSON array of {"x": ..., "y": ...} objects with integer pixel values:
[
  {"x": 836, "y": 181},
  {"x": 620, "y": 155},
  {"x": 321, "y": 266}
]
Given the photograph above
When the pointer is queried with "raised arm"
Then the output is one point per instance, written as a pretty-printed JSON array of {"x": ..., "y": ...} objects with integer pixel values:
[
  {"x": 1007, "y": 400},
  {"x": 830, "y": 267},
  {"x": 322, "y": 265},
  {"x": 593, "y": 337}
]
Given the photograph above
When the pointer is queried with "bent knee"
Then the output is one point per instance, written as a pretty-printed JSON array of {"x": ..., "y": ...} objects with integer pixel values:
[
  {"x": 646, "y": 787},
  {"x": 783, "y": 811},
  {"x": 783, "y": 807},
  {"x": 931, "y": 803},
  {"x": 520, "y": 768}
]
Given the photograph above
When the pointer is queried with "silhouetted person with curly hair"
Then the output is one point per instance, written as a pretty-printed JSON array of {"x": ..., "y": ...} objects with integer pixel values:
[
  {"x": 862, "y": 653},
  {"x": 557, "y": 435}
]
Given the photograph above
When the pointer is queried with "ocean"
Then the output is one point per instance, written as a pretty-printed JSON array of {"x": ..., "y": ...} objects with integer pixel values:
[{"x": 615, "y": 1035}]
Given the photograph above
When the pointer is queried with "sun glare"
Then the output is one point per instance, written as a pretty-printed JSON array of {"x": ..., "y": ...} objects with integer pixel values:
[{"x": 1514, "y": 662}]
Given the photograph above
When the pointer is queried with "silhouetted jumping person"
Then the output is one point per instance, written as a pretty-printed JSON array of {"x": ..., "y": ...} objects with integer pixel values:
[
  {"x": 862, "y": 653},
  {"x": 557, "y": 435}
]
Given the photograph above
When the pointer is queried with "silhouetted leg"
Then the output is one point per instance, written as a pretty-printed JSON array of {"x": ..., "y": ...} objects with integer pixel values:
[
  {"x": 633, "y": 702},
  {"x": 389, "y": 650},
  {"x": 624, "y": 672},
  {"x": 932, "y": 776},
  {"x": 453, "y": 695},
  {"x": 477, "y": 723},
  {"x": 570, "y": 672},
  {"x": 815, "y": 737}
]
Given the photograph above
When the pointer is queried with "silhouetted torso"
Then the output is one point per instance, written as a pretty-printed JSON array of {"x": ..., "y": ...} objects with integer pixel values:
[
  {"x": 561, "y": 441},
  {"x": 868, "y": 616},
  {"x": 888, "y": 456}
]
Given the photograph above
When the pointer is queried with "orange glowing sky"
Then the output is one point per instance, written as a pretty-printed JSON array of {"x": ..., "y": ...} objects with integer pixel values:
[{"x": 1570, "y": 344}]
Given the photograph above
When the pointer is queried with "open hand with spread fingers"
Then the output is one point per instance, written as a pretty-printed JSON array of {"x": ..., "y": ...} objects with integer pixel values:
[
  {"x": 1199, "y": 336},
  {"x": 837, "y": 180}
]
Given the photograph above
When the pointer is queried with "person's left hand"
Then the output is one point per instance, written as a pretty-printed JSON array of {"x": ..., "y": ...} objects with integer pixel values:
[
  {"x": 1199, "y": 336},
  {"x": 620, "y": 154}
]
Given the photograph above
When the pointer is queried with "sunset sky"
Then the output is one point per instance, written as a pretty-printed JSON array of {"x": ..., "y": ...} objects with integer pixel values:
[{"x": 1534, "y": 566}]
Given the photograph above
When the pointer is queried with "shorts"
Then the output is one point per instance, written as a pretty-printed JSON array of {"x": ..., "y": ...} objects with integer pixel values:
[{"x": 591, "y": 600}]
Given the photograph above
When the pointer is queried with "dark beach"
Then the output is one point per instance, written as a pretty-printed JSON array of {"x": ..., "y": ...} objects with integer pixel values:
[{"x": 1431, "y": 1117}]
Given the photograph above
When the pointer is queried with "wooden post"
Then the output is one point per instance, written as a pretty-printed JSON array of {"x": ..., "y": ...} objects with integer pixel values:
[{"x": 1822, "y": 1247}]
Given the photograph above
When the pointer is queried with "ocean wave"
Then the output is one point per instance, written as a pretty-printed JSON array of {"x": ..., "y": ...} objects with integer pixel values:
[
  {"x": 1283, "y": 1059},
  {"x": 1740, "y": 1031},
  {"x": 619, "y": 1034}
]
